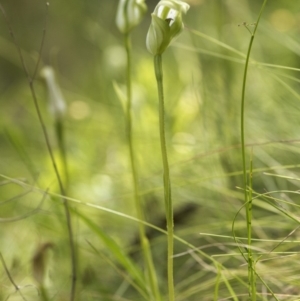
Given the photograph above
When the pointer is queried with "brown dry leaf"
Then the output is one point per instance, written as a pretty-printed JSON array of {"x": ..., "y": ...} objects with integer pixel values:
[{"x": 39, "y": 261}]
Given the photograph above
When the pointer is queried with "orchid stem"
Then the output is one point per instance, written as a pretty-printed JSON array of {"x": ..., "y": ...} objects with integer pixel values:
[{"x": 166, "y": 174}]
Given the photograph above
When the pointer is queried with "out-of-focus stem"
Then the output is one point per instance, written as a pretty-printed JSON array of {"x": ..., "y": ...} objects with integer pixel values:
[{"x": 154, "y": 291}]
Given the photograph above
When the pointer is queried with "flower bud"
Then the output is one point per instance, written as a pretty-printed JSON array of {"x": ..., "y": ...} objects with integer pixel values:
[
  {"x": 130, "y": 14},
  {"x": 166, "y": 24},
  {"x": 56, "y": 101}
]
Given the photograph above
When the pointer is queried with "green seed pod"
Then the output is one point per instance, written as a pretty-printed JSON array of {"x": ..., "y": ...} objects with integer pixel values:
[
  {"x": 130, "y": 14},
  {"x": 166, "y": 25}
]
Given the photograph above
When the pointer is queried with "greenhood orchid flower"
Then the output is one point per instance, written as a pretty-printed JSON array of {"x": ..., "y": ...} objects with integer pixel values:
[
  {"x": 166, "y": 24},
  {"x": 57, "y": 103},
  {"x": 130, "y": 14}
]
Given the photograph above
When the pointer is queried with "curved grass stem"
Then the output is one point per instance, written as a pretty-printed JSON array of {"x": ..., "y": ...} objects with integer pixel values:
[
  {"x": 247, "y": 196},
  {"x": 166, "y": 174}
]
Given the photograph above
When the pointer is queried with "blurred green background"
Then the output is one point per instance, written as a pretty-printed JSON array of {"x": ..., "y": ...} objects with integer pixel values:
[{"x": 203, "y": 73}]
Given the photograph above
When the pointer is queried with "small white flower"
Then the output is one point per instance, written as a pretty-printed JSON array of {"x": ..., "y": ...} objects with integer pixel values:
[
  {"x": 57, "y": 103},
  {"x": 130, "y": 14},
  {"x": 166, "y": 24}
]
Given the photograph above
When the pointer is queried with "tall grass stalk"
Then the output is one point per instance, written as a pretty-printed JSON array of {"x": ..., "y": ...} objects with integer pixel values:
[
  {"x": 166, "y": 174},
  {"x": 248, "y": 200},
  {"x": 151, "y": 274},
  {"x": 30, "y": 80}
]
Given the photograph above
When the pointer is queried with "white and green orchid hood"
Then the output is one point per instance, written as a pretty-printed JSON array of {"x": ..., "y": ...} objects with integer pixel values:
[
  {"x": 166, "y": 24},
  {"x": 129, "y": 14}
]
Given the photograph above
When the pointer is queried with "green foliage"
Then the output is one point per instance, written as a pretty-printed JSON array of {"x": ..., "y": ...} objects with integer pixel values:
[{"x": 203, "y": 80}]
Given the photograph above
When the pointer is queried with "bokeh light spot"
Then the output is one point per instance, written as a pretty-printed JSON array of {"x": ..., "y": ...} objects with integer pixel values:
[
  {"x": 79, "y": 110},
  {"x": 282, "y": 20}
]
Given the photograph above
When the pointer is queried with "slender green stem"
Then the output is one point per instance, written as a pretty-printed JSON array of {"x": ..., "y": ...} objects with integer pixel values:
[
  {"x": 166, "y": 174},
  {"x": 138, "y": 205},
  {"x": 17, "y": 287},
  {"x": 217, "y": 285},
  {"x": 60, "y": 134},
  {"x": 248, "y": 201}
]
